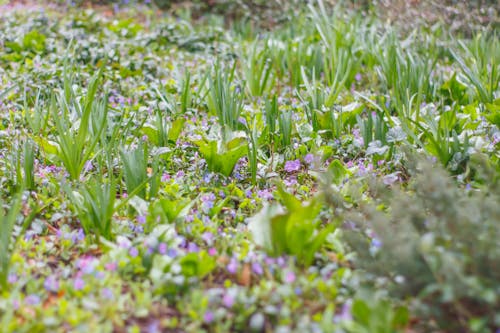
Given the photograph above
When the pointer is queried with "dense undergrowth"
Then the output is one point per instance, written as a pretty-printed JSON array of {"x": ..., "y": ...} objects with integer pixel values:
[{"x": 333, "y": 173}]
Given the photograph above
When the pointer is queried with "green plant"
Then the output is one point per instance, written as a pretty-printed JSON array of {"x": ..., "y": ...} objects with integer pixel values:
[
  {"x": 197, "y": 264},
  {"x": 407, "y": 75},
  {"x": 222, "y": 152},
  {"x": 224, "y": 100},
  {"x": 38, "y": 117},
  {"x": 9, "y": 234},
  {"x": 373, "y": 127},
  {"x": 29, "y": 165},
  {"x": 437, "y": 243},
  {"x": 257, "y": 69},
  {"x": 77, "y": 145},
  {"x": 271, "y": 114},
  {"x": 95, "y": 206},
  {"x": 185, "y": 103},
  {"x": 162, "y": 133},
  {"x": 380, "y": 316},
  {"x": 440, "y": 139},
  {"x": 253, "y": 145},
  {"x": 319, "y": 105},
  {"x": 135, "y": 165},
  {"x": 285, "y": 129},
  {"x": 169, "y": 209},
  {"x": 483, "y": 71},
  {"x": 294, "y": 231}
]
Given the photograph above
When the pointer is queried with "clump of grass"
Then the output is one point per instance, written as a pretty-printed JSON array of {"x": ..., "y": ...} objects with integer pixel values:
[{"x": 76, "y": 144}]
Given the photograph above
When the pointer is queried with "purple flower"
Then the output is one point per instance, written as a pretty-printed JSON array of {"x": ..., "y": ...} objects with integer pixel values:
[
  {"x": 162, "y": 248},
  {"x": 292, "y": 166},
  {"x": 141, "y": 219},
  {"x": 345, "y": 312},
  {"x": 257, "y": 268},
  {"x": 78, "y": 284},
  {"x": 51, "y": 284},
  {"x": 88, "y": 166},
  {"x": 192, "y": 247},
  {"x": 265, "y": 194},
  {"x": 358, "y": 77},
  {"x": 228, "y": 300},
  {"x": 208, "y": 317},
  {"x": 32, "y": 300},
  {"x": 154, "y": 327},
  {"x": 86, "y": 264},
  {"x": 281, "y": 261},
  {"x": 390, "y": 178},
  {"x": 232, "y": 267},
  {"x": 377, "y": 243},
  {"x": 107, "y": 293},
  {"x": 133, "y": 252},
  {"x": 309, "y": 158},
  {"x": 80, "y": 235},
  {"x": 207, "y": 202},
  {"x": 208, "y": 237},
  {"x": 111, "y": 266},
  {"x": 289, "y": 277},
  {"x": 12, "y": 278},
  {"x": 172, "y": 253},
  {"x": 290, "y": 181}
]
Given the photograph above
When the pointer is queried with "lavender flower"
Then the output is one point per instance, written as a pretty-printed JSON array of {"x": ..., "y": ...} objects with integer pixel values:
[
  {"x": 232, "y": 267},
  {"x": 292, "y": 166},
  {"x": 208, "y": 317},
  {"x": 228, "y": 300},
  {"x": 162, "y": 248},
  {"x": 257, "y": 268},
  {"x": 133, "y": 252},
  {"x": 78, "y": 284},
  {"x": 309, "y": 159},
  {"x": 289, "y": 277},
  {"x": 51, "y": 283},
  {"x": 32, "y": 300}
]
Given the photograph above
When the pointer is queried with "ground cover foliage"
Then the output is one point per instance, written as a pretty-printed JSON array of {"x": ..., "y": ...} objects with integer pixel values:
[{"x": 329, "y": 172}]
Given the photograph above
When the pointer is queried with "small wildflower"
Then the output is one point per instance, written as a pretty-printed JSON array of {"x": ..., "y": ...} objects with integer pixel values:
[
  {"x": 78, "y": 284},
  {"x": 289, "y": 277},
  {"x": 208, "y": 237},
  {"x": 257, "y": 268},
  {"x": 208, "y": 317},
  {"x": 232, "y": 267},
  {"x": 207, "y": 202},
  {"x": 12, "y": 278},
  {"x": 51, "y": 284},
  {"x": 309, "y": 158},
  {"x": 107, "y": 293},
  {"x": 162, "y": 248},
  {"x": 32, "y": 300},
  {"x": 228, "y": 300},
  {"x": 165, "y": 177},
  {"x": 111, "y": 266},
  {"x": 292, "y": 166},
  {"x": 133, "y": 252},
  {"x": 172, "y": 253},
  {"x": 265, "y": 194},
  {"x": 192, "y": 247}
]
